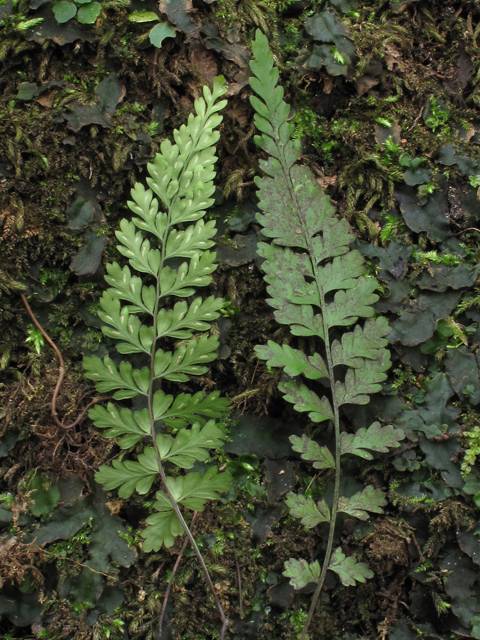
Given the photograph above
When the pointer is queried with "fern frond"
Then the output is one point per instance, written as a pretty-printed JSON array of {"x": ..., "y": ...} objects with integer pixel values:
[
  {"x": 167, "y": 243},
  {"x": 316, "y": 283}
]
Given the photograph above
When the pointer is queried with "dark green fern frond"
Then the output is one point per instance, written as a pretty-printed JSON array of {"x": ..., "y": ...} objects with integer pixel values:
[{"x": 316, "y": 285}]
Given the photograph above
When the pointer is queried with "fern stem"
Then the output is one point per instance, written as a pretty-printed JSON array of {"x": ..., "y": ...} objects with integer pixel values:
[
  {"x": 161, "y": 469},
  {"x": 191, "y": 539},
  {"x": 328, "y": 554},
  {"x": 338, "y": 471}
]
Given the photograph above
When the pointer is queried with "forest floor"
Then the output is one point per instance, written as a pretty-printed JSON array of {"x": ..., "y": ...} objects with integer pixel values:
[{"x": 386, "y": 102}]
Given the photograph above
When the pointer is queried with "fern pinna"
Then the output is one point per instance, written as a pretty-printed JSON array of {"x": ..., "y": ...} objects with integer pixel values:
[
  {"x": 317, "y": 288},
  {"x": 173, "y": 259}
]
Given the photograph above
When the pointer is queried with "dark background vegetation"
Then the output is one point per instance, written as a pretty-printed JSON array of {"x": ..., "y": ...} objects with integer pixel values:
[{"x": 385, "y": 98}]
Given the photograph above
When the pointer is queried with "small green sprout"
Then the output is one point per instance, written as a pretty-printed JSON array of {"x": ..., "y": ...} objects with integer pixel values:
[
  {"x": 36, "y": 338},
  {"x": 383, "y": 122},
  {"x": 337, "y": 56},
  {"x": 391, "y": 146},
  {"x": 28, "y": 24},
  {"x": 438, "y": 116},
  {"x": 425, "y": 189},
  {"x": 391, "y": 150},
  {"x": 229, "y": 310},
  {"x": 393, "y": 228}
]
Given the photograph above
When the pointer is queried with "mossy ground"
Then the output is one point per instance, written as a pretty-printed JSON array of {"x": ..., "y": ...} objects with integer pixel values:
[{"x": 405, "y": 56}]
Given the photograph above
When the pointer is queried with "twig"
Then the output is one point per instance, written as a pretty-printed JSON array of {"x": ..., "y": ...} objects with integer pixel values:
[
  {"x": 421, "y": 559},
  {"x": 246, "y": 394},
  {"x": 61, "y": 370},
  {"x": 417, "y": 119},
  {"x": 255, "y": 371},
  {"x": 80, "y": 564},
  {"x": 174, "y": 571},
  {"x": 469, "y": 229},
  {"x": 155, "y": 63},
  {"x": 312, "y": 481},
  {"x": 57, "y": 445},
  {"x": 239, "y": 578}
]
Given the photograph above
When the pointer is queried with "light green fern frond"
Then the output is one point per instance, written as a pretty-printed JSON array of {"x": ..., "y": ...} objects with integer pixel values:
[{"x": 167, "y": 242}]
